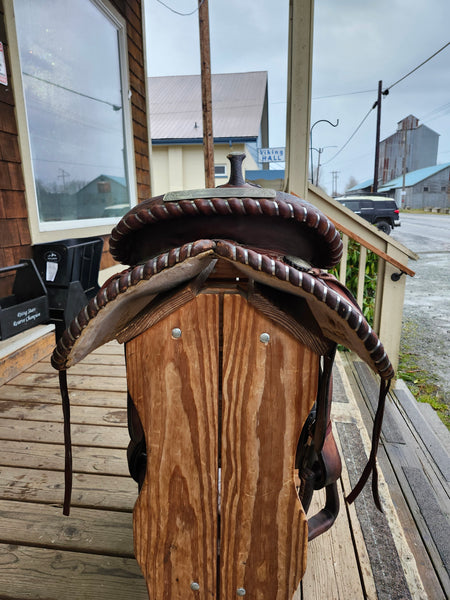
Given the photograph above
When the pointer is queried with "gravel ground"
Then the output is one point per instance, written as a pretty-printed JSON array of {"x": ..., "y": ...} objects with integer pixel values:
[
  {"x": 426, "y": 326},
  {"x": 426, "y": 313}
]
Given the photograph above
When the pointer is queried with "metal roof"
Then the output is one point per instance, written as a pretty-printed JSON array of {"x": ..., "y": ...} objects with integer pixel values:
[
  {"x": 237, "y": 99},
  {"x": 413, "y": 177},
  {"x": 361, "y": 186}
]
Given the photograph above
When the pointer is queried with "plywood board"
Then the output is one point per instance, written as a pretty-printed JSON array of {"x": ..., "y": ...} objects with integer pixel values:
[
  {"x": 174, "y": 385},
  {"x": 268, "y": 391}
]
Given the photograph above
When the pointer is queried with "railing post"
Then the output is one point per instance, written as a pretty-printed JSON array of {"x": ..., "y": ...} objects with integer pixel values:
[
  {"x": 344, "y": 259},
  {"x": 361, "y": 274},
  {"x": 389, "y": 306}
]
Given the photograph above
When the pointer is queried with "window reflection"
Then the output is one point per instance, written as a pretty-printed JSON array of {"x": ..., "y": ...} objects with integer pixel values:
[{"x": 70, "y": 65}]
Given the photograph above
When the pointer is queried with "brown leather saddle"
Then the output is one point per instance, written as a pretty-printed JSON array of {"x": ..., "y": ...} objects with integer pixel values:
[{"x": 271, "y": 249}]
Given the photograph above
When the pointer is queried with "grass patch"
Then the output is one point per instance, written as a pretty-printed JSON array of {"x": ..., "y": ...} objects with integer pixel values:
[{"x": 421, "y": 384}]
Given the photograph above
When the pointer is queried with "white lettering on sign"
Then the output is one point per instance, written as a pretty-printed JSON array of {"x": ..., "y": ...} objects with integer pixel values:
[
  {"x": 271, "y": 155},
  {"x": 3, "y": 74},
  {"x": 25, "y": 316}
]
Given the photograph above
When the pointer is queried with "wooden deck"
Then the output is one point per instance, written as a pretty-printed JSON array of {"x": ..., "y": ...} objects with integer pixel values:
[{"x": 403, "y": 553}]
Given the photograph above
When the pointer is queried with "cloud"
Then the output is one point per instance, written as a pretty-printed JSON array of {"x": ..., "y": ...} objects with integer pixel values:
[{"x": 356, "y": 44}]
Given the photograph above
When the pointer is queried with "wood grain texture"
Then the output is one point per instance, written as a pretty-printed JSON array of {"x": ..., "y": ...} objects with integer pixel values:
[
  {"x": 91, "y": 491},
  {"x": 268, "y": 391},
  {"x": 13, "y": 364},
  {"x": 88, "y": 530},
  {"x": 35, "y": 455},
  {"x": 29, "y": 573},
  {"x": 175, "y": 517}
]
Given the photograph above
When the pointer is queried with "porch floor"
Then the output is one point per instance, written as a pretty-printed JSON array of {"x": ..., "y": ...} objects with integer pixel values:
[{"x": 403, "y": 553}]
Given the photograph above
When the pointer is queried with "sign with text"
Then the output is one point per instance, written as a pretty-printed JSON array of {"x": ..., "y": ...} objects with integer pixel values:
[
  {"x": 271, "y": 155},
  {"x": 3, "y": 75}
]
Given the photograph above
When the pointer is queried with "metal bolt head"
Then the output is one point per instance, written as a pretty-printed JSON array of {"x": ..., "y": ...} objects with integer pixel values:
[
  {"x": 240, "y": 592},
  {"x": 195, "y": 586},
  {"x": 264, "y": 338},
  {"x": 176, "y": 332}
]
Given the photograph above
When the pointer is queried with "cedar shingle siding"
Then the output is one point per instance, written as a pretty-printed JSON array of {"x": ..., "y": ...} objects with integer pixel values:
[
  {"x": 14, "y": 232},
  {"x": 15, "y": 240}
]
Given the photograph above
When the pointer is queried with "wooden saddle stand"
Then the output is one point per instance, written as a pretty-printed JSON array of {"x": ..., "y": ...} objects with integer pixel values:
[{"x": 230, "y": 324}]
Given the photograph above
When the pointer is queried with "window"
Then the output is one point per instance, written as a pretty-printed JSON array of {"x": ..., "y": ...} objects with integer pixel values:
[
  {"x": 366, "y": 204},
  {"x": 426, "y": 188},
  {"x": 72, "y": 57},
  {"x": 220, "y": 170}
]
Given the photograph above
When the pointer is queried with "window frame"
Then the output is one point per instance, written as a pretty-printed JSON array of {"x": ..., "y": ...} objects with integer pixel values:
[
  {"x": 54, "y": 230},
  {"x": 220, "y": 166}
]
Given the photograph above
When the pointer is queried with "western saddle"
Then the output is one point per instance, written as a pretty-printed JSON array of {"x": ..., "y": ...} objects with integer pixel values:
[{"x": 230, "y": 322}]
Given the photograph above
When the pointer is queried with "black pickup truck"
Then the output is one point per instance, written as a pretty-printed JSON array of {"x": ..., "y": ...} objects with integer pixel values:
[{"x": 378, "y": 210}]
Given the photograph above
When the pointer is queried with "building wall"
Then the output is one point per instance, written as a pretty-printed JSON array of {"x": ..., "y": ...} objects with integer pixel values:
[
  {"x": 15, "y": 230},
  {"x": 421, "y": 151},
  {"x": 433, "y": 192},
  {"x": 181, "y": 167},
  {"x": 15, "y": 236}
]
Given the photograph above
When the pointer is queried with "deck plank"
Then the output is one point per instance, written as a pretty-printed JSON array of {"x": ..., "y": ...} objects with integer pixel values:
[
  {"x": 89, "y": 490},
  {"x": 29, "y": 573},
  {"x": 85, "y": 530},
  {"x": 332, "y": 566},
  {"x": 31, "y": 393},
  {"x": 52, "y": 413},
  {"x": 393, "y": 458},
  {"x": 77, "y": 382},
  {"x": 82, "y": 435},
  {"x": 83, "y": 368},
  {"x": 34, "y": 455}
]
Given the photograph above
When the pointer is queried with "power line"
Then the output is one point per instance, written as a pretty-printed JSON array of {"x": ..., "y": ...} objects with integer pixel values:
[
  {"x": 331, "y": 96},
  {"x": 418, "y": 67},
  {"x": 344, "y": 94},
  {"x": 180, "y": 13},
  {"x": 115, "y": 107},
  {"x": 349, "y": 139}
]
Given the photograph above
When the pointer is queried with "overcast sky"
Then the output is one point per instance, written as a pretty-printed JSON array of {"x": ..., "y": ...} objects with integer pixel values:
[{"x": 356, "y": 44}]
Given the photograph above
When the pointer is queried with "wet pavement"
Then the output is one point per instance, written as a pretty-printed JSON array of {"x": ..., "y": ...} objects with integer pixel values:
[{"x": 426, "y": 313}]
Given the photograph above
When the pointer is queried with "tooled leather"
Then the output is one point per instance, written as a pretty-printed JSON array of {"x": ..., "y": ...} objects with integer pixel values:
[
  {"x": 314, "y": 283},
  {"x": 325, "y": 242}
]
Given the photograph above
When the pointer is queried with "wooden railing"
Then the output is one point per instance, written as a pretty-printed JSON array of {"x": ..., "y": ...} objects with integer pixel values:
[{"x": 392, "y": 267}]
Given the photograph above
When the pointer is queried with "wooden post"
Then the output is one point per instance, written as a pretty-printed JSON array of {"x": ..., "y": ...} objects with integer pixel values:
[
  {"x": 205, "y": 60},
  {"x": 301, "y": 19},
  {"x": 377, "y": 138}
]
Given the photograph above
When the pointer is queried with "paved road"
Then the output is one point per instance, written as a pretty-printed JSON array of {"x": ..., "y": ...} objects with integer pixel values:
[
  {"x": 427, "y": 295},
  {"x": 424, "y": 233}
]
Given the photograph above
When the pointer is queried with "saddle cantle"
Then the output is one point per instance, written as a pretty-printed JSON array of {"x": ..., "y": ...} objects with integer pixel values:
[{"x": 270, "y": 249}]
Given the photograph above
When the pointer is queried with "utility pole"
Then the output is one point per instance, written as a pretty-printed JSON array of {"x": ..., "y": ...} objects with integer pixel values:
[
  {"x": 205, "y": 60},
  {"x": 377, "y": 138},
  {"x": 320, "y": 150},
  {"x": 377, "y": 104},
  {"x": 62, "y": 175},
  {"x": 334, "y": 184},
  {"x": 403, "y": 198}
]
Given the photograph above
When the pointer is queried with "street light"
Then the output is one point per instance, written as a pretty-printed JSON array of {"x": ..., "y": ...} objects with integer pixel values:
[{"x": 310, "y": 139}]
